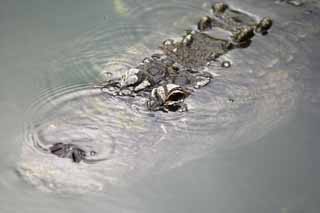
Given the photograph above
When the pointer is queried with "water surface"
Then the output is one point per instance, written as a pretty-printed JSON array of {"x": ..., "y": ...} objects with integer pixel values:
[{"x": 256, "y": 154}]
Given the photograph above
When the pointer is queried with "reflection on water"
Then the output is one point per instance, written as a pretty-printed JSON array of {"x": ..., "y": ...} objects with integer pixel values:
[{"x": 267, "y": 83}]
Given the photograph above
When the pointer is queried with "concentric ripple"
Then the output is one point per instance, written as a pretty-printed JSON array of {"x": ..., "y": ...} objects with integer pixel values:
[
  {"x": 84, "y": 116},
  {"x": 240, "y": 105}
]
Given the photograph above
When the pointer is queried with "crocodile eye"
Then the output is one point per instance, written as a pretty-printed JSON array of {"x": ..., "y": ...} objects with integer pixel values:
[{"x": 205, "y": 23}]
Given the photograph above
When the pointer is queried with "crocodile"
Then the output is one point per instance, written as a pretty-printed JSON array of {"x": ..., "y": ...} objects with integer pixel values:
[
  {"x": 171, "y": 75},
  {"x": 167, "y": 78}
]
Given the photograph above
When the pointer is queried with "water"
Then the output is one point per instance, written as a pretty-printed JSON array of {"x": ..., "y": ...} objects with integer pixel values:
[{"x": 257, "y": 154}]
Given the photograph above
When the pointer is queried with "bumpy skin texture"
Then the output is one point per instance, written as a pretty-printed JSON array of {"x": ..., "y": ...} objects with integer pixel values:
[
  {"x": 196, "y": 49},
  {"x": 240, "y": 24},
  {"x": 181, "y": 62},
  {"x": 166, "y": 79}
]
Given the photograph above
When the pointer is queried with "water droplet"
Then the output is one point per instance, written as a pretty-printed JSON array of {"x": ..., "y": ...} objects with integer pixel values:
[{"x": 226, "y": 64}]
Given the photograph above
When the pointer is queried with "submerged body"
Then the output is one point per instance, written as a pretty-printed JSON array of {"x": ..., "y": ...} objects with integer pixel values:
[
  {"x": 168, "y": 77},
  {"x": 261, "y": 89},
  {"x": 181, "y": 62}
]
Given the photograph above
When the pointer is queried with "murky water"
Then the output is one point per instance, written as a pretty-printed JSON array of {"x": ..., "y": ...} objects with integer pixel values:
[{"x": 255, "y": 154}]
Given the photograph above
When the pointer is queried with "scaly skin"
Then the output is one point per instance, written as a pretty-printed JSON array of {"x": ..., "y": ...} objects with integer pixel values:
[
  {"x": 169, "y": 77},
  {"x": 181, "y": 62}
]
